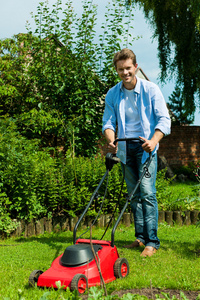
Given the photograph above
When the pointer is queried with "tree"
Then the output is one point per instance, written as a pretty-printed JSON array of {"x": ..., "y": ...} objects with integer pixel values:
[
  {"x": 64, "y": 75},
  {"x": 15, "y": 86},
  {"x": 177, "y": 26},
  {"x": 177, "y": 105}
]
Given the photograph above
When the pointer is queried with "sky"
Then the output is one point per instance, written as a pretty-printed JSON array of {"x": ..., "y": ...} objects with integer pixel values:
[{"x": 15, "y": 13}]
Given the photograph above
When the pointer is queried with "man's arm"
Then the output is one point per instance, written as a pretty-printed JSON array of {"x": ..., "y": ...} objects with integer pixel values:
[
  {"x": 110, "y": 137},
  {"x": 149, "y": 145}
]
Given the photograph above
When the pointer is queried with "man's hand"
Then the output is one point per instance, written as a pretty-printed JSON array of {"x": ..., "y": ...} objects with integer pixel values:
[
  {"x": 112, "y": 148},
  {"x": 148, "y": 145},
  {"x": 110, "y": 137}
]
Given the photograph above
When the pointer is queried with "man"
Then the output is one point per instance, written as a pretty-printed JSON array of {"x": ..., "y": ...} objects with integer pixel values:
[{"x": 138, "y": 108}]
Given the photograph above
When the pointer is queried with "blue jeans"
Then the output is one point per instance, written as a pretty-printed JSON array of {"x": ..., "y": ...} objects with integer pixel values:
[{"x": 143, "y": 203}]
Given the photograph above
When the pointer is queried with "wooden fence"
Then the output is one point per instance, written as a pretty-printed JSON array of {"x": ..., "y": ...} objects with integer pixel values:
[{"x": 37, "y": 227}]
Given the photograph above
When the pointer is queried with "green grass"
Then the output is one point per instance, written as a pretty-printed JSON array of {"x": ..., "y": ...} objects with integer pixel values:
[
  {"x": 182, "y": 190},
  {"x": 175, "y": 266}
]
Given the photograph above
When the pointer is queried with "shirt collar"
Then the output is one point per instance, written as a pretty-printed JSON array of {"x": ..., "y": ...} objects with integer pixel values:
[{"x": 137, "y": 86}]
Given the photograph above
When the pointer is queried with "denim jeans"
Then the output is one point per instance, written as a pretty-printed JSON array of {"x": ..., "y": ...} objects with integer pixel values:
[{"x": 143, "y": 203}]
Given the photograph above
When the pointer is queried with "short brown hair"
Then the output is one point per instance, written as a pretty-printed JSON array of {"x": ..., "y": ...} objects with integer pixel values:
[{"x": 124, "y": 54}]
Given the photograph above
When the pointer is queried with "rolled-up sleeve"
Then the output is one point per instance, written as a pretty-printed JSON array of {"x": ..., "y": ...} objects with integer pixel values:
[{"x": 163, "y": 121}]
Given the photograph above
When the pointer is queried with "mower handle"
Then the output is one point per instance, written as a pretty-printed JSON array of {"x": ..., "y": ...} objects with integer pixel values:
[
  {"x": 145, "y": 170},
  {"x": 128, "y": 139},
  {"x": 131, "y": 139}
]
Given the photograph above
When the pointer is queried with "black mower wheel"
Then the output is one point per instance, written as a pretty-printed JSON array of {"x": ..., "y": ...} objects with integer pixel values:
[
  {"x": 121, "y": 268},
  {"x": 79, "y": 283},
  {"x": 33, "y": 278}
]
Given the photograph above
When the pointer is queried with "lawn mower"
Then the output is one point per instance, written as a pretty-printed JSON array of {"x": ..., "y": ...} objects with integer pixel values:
[{"x": 87, "y": 261}]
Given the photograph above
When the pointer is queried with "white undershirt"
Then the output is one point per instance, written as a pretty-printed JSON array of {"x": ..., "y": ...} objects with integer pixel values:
[{"x": 133, "y": 128}]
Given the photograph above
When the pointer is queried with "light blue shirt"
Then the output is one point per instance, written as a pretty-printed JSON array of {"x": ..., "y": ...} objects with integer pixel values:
[
  {"x": 133, "y": 125},
  {"x": 152, "y": 110}
]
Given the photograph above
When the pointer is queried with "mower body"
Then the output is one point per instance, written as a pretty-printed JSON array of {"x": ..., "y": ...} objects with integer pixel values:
[{"x": 79, "y": 259}]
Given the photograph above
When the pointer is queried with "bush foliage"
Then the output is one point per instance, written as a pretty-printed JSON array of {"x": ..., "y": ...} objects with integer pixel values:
[{"x": 34, "y": 184}]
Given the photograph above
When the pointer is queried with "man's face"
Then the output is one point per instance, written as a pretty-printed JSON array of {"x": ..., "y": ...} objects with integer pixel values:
[{"x": 126, "y": 71}]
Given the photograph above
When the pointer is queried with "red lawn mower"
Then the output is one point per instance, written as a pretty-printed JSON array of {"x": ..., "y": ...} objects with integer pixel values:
[{"x": 77, "y": 267}]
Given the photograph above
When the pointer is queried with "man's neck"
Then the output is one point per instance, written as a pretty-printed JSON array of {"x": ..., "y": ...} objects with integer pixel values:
[{"x": 130, "y": 85}]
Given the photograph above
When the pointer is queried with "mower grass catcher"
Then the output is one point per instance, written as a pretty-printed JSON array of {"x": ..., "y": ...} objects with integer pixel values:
[{"x": 77, "y": 267}]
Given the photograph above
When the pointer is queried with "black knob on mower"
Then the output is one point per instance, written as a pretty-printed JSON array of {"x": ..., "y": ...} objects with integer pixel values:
[{"x": 111, "y": 160}]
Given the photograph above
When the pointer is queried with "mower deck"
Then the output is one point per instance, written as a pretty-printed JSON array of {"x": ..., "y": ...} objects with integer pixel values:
[{"x": 76, "y": 267}]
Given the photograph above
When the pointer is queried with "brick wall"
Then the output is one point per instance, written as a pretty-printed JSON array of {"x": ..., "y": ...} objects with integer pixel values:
[{"x": 182, "y": 146}]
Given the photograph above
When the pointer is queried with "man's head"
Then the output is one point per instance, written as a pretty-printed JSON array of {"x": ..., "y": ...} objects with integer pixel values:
[
  {"x": 125, "y": 65},
  {"x": 124, "y": 54}
]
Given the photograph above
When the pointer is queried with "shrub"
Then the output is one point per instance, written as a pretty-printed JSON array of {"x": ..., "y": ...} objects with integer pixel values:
[
  {"x": 34, "y": 184},
  {"x": 187, "y": 171}
]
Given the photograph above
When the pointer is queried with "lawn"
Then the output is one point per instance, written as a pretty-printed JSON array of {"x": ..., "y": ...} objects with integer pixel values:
[{"x": 175, "y": 266}]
